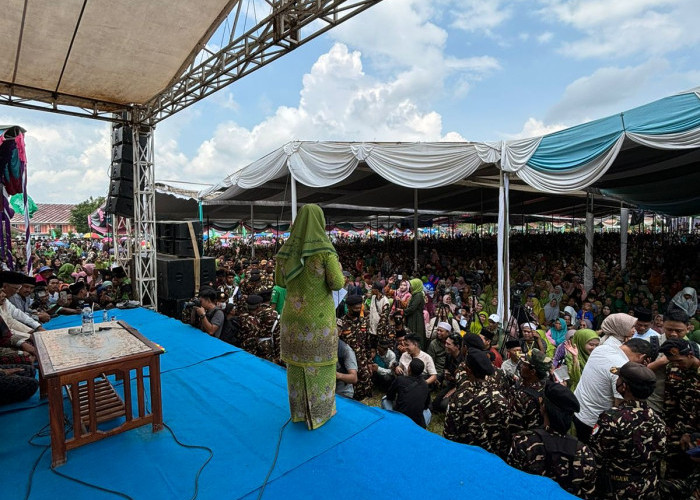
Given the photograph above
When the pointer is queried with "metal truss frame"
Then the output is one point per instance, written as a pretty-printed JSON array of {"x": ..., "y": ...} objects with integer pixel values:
[
  {"x": 290, "y": 24},
  {"x": 144, "y": 213},
  {"x": 122, "y": 255}
]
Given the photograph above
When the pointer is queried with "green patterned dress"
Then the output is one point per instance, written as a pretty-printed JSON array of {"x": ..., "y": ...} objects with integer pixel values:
[{"x": 309, "y": 337}]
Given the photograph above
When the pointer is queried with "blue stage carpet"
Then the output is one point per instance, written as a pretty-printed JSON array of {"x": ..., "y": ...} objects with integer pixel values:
[{"x": 217, "y": 396}]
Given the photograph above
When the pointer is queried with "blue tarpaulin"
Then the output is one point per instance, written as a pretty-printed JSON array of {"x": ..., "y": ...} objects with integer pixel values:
[{"x": 215, "y": 395}]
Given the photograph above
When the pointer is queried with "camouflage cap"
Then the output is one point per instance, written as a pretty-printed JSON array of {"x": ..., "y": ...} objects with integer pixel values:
[{"x": 538, "y": 361}]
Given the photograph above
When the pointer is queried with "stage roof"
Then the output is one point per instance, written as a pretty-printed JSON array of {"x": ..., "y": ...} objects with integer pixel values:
[{"x": 87, "y": 51}]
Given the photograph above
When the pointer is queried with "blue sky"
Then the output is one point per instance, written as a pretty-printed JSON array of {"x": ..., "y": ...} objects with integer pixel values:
[{"x": 404, "y": 70}]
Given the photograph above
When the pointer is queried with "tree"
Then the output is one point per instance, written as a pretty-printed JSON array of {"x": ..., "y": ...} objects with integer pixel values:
[{"x": 79, "y": 214}]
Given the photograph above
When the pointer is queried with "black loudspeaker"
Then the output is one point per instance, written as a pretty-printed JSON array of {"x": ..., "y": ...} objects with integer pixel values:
[
  {"x": 122, "y": 135},
  {"x": 175, "y": 276},
  {"x": 122, "y": 170},
  {"x": 171, "y": 307},
  {"x": 121, "y": 187},
  {"x": 174, "y": 238},
  {"x": 120, "y": 205}
]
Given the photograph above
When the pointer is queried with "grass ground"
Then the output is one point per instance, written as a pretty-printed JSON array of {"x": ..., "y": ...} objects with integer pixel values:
[{"x": 437, "y": 423}]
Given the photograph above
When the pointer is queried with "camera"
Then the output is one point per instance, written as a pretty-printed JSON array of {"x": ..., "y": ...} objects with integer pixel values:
[
  {"x": 195, "y": 302},
  {"x": 517, "y": 295}
]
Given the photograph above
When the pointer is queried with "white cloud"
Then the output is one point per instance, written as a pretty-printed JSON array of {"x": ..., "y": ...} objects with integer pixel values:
[
  {"x": 479, "y": 16},
  {"x": 545, "y": 37},
  {"x": 626, "y": 27},
  {"x": 338, "y": 101},
  {"x": 535, "y": 128},
  {"x": 598, "y": 94}
]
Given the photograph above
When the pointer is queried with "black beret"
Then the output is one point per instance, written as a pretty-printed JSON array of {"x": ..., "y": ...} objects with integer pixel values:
[
  {"x": 479, "y": 363},
  {"x": 254, "y": 278},
  {"x": 29, "y": 280},
  {"x": 473, "y": 341},
  {"x": 255, "y": 262},
  {"x": 635, "y": 373},
  {"x": 254, "y": 300},
  {"x": 352, "y": 300},
  {"x": 561, "y": 397}
]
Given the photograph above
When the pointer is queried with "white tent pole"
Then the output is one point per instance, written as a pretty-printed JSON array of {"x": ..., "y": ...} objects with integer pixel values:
[
  {"x": 415, "y": 230},
  {"x": 503, "y": 249},
  {"x": 252, "y": 232},
  {"x": 294, "y": 198},
  {"x": 624, "y": 221},
  {"x": 588, "y": 269}
]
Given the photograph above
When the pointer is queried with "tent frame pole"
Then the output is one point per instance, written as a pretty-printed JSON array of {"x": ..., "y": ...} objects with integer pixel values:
[
  {"x": 294, "y": 198},
  {"x": 415, "y": 230}
]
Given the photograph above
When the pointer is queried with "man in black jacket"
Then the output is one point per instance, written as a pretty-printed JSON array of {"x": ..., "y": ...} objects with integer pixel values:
[{"x": 410, "y": 395}]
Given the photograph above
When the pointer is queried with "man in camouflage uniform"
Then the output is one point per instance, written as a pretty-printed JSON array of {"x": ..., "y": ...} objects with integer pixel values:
[
  {"x": 267, "y": 275},
  {"x": 629, "y": 439},
  {"x": 352, "y": 328},
  {"x": 682, "y": 415},
  {"x": 525, "y": 405},
  {"x": 268, "y": 333},
  {"x": 478, "y": 413},
  {"x": 550, "y": 452},
  {"x": 259, "y": 330},
  {"x": 251, "y": 284}
]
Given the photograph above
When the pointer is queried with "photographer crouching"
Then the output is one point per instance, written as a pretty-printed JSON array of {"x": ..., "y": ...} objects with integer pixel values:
[{"x": 205, "y": 315}]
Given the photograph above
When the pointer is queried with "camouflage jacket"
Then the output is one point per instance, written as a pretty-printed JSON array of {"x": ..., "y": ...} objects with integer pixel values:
[
  {"x": 525, "y": 408},
  {"x": 682, "y": 401},
  {"x": 574, "y": 471},
  {"x": 628, "y": 443},
  {"x": 478, "y": 415}
]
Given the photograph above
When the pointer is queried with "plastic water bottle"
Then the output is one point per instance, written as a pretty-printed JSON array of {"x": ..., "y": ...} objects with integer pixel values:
[
  {"x": 87, "y": 320},
  {"x": 105, "y": 316}
]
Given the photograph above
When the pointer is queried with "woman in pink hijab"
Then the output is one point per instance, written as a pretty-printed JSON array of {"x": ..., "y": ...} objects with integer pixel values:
[{"x": 402, "y": 295}]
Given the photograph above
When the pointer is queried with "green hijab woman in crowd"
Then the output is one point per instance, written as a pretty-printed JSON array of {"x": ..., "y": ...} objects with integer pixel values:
[{"x": 577, "y": 353}]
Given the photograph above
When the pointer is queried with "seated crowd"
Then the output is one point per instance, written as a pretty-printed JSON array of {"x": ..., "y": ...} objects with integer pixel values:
[
  {"x": 597, "y": 389},
  {"x": 61, "y": 283}
]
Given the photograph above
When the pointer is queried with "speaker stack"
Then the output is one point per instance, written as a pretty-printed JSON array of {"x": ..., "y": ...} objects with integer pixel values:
[
  {"x": 175, "y": 265},
  {"x": 120, "y": 198}
]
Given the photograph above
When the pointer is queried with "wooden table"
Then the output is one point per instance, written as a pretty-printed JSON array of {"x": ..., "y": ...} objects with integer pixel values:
[{"x": 81, "y": 364}]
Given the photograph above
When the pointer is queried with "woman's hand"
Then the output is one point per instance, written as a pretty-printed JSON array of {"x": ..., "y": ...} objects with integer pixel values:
[{"x": 570, "y": 347}]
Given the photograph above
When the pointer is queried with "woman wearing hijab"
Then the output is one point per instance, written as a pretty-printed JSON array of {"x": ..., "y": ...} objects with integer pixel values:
[
  {"x": 65, "y": 273},
  {"x": 617, "y": 329},
  {"x": 686, "y": 299},
  {"x": 577, "y": 352},
  {"x": 308, "y": 267},
  {"x": 551, "y": 310},
  {"x": 402, "y": 295},
  {"x": 414, "y": 311},
  {"x": 557, "y": 333}
]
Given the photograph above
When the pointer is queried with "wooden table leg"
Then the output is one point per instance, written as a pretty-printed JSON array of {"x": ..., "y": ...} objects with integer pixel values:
[
  {"x": 156, "y": 403},
  {"x": 58, "y": 435}
]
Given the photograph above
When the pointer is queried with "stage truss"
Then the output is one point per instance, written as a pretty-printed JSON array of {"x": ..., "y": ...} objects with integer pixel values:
[{"x": 286, "y": 25}]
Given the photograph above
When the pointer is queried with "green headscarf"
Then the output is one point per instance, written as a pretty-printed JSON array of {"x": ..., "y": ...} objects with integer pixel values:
[
  {"x": 580, "y": 338},
  {"x": 64, "y": 273},
  {"x": 307, "y": 237},
  {"x": 416, "y": 285}
]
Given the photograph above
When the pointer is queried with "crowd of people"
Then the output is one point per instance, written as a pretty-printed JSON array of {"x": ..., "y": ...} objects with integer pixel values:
[{"x": 597, "y": 388}]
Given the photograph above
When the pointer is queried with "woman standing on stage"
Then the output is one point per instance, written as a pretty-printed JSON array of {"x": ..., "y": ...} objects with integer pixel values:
[{"x": 308, "y": 267}]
